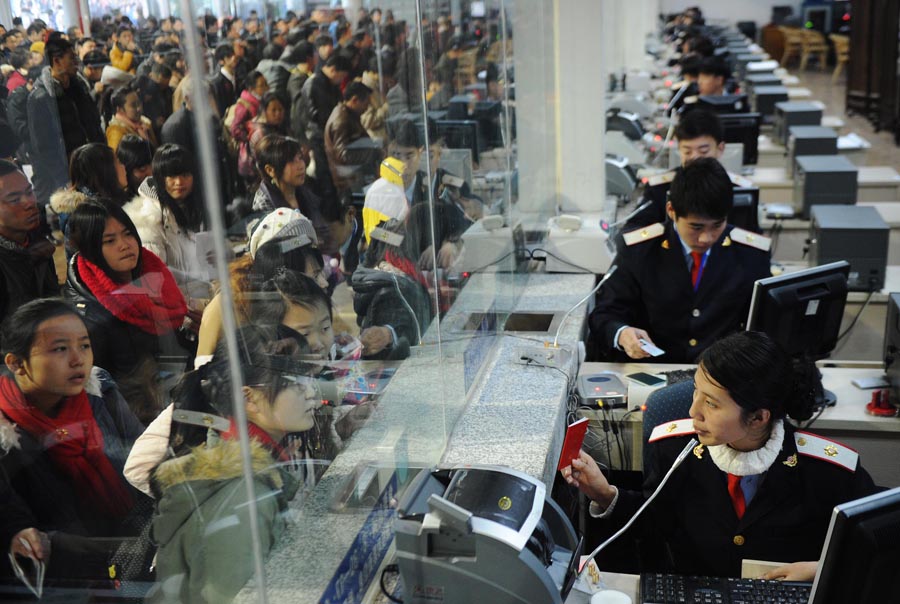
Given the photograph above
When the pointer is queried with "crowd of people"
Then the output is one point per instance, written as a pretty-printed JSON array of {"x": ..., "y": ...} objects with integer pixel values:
[{"x": 116, "y": 368}]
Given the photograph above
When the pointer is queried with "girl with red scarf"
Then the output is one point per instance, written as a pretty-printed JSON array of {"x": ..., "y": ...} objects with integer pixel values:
[
  {"x": 64, "y": 437},
  {"x": 129, "y": 299}
]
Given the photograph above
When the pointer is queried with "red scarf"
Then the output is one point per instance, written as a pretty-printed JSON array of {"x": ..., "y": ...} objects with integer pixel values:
[
  {"x": 74, "y": 443},
  {"x": 259, "y": 435},
  {"x": 407, "y": 266},
  {"x": 154, "y": 303}
]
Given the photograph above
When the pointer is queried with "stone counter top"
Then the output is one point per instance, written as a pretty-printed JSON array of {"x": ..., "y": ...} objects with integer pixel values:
[{"x": 514, "y": 416}]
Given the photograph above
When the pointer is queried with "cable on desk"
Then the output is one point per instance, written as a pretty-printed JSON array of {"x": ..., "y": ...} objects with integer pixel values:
[
  {"x": 393, "y": 568},
  {"x": 555, "y": 257},
  {"x": 855, "y": 319}
]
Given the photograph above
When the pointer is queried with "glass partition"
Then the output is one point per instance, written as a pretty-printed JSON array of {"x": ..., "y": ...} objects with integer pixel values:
[{"x": 292, "y": 243}]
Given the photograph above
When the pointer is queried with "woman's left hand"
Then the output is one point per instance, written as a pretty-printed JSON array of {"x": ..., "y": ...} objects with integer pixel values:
[{"x": 798, "y": 571}]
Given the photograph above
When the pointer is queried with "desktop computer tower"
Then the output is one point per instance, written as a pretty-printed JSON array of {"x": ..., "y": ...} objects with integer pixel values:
[
  {"x": 795, "y": 113},
  {"x": 857, "y": 234},
  {"x": 765, "y": 98},
  {"x": 740, "y": 63},
  {"x": 809, "y": 140},
  {"x": 823, "y": 180},
  {"x": 766, "y": 79}
]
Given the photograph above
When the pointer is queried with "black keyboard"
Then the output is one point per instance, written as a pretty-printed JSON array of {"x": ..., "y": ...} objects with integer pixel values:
[
  {"x": 679, "y": 375},
  {"x": 683, "y": 589}
]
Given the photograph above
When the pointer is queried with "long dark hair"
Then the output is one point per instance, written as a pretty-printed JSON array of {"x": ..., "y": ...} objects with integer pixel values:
[
  {"x": 174, "y": 160},
  {"x": 86, "y": 226},
  {"x": 92, "y": 170},
  {"x": 759, "y": 374},
  {"x": 134, "y": 152}
]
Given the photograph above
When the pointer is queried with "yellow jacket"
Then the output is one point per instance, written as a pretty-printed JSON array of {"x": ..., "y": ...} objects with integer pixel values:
[{"x": 122, "y": 59}]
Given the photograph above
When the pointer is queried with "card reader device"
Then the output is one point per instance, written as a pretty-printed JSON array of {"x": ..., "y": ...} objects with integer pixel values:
[{"x": 604, "y": 389}]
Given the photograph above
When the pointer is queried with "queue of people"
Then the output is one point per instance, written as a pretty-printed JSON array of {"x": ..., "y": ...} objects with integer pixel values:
[{"x": 117, "y": 420}]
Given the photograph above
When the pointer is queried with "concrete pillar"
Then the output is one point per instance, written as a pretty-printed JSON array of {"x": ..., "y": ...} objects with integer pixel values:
[
  {"x": 71, "y": 14},
  {"x": 581, "y": 109},
  {"x": 6, "y": 15},
  {"x": 536, "y": 99}
]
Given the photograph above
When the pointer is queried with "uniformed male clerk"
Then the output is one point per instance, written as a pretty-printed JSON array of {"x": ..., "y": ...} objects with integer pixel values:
[
  {"x": 698, "y": 134},
  {"x": 683, "y": 284}
]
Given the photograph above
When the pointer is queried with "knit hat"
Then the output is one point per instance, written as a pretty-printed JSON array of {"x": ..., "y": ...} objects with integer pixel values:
[
  {"x": 384, "y": 201},
  {"x": 282, "y": 223},
  {"x": 37, "y": 47}
]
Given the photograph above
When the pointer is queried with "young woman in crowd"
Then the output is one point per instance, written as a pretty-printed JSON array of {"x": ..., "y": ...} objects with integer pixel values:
[
  {"x": 168, "y": 212},
  {"x": 755, "y": 487},
  {"x": 65, "y": 432},
  {"x": 136, "y": 154},
  {"x": 94, "y": 172},
  {"x": 270, "y": 120},
  {"x": 128, "y": 118},
  {"x": 283, "y": 173},
  {"x": 390, "y": 296},
  {"x": 203, "y": 495},
  {"x": 129, "y": 299}
]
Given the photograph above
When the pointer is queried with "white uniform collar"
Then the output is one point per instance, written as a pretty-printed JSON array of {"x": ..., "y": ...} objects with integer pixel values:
[{"x": 749, "y": 463}]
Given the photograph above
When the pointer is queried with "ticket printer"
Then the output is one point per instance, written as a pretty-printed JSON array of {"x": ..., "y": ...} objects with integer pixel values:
[{"x": 483, "y": 534}]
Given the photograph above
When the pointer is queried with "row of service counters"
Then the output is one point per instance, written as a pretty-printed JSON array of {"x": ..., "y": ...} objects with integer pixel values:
[{"x": 467, "y": 396}]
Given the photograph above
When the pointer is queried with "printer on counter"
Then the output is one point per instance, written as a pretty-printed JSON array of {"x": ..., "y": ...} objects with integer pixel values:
[{"x": 483, "y": 534}]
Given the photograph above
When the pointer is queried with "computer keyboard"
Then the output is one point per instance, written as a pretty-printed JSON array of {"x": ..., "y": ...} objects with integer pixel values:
[
  {"x": 678, "y": 375},
  {"x": 683, "y": 589}
]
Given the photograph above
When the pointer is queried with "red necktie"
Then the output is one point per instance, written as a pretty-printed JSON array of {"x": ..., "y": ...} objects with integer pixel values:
[
  {"x": 737, "y": 495},
  {"x": 695, "y": 268}
]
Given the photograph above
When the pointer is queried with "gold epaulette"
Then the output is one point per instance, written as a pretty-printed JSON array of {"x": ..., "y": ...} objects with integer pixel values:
[
  {"x": 755, "y": 240},
  {"x": 644, "y": 234},
  {"x": 831, "y": 451},
  {"x": 681, "y": 427}
]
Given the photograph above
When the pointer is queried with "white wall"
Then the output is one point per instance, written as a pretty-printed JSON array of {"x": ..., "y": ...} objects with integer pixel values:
[{"x": 731, "y": 11}]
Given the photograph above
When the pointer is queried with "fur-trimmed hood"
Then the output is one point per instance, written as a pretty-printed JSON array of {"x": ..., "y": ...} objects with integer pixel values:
[
  {"x": 66, "y": 200},
  {"x": 220, "y": 461}
]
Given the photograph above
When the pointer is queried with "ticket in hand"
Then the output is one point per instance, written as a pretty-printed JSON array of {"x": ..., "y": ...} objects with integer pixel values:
[{"x": 652, "y": 349}]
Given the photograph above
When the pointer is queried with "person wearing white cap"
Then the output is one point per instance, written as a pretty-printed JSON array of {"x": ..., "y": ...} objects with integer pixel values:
[{"x": 284, "y": 238}]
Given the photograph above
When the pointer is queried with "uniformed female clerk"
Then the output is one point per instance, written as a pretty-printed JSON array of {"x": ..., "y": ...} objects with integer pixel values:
[{"x": 755, "y": 487}]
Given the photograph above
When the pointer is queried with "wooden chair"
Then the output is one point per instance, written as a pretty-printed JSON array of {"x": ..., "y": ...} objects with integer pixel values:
[
  {"x": 841, "y": 54},
  {"x": 793, "y": 43},
  {"x": 814, "y": 44}
]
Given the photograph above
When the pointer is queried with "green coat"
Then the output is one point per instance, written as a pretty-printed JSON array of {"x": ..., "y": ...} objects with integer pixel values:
[{"x": 202, "y": 524}]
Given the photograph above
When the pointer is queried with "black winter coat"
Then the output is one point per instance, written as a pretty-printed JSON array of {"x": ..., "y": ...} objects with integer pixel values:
[
  {"x": 33, "y": 493},
  {"x": 652, "y": 290},
  {"x": 382, "y": 298}
]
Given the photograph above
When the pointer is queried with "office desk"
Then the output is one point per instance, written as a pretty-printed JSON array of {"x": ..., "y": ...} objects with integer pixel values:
[
  {"x": 797, "y": 93},
  {"x": 774, "y": 155},
  {"x": 876, "y": 438},
  {"x": 876, "y": 183}
]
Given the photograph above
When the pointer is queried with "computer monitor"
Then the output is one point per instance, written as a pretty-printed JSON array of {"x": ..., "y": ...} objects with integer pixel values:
[
  {"x": 862, "y": 549},
  {"x": 743, "y": 128},
  {"x": 724, "y": 103},
  {"x": 802, "y": 310},
  {"x": 745, "y": 211},
  {"x": 891, "y": 349},
  {"x": 460, "y": 134}
]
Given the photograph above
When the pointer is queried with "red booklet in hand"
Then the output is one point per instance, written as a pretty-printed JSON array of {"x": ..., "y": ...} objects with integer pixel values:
[{"x": 572, "y": 444}]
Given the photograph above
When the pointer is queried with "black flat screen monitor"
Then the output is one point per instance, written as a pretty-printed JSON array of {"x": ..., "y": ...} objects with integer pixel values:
[
  {"x": 802, "y": 311},
  {"x": 743, "y": 128},
  {"x": 460, "y": 134},
  {"x": 861, "y": 554},
  {"x": 745, "y": 210},
  {"x": 724, "y": 103}
]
